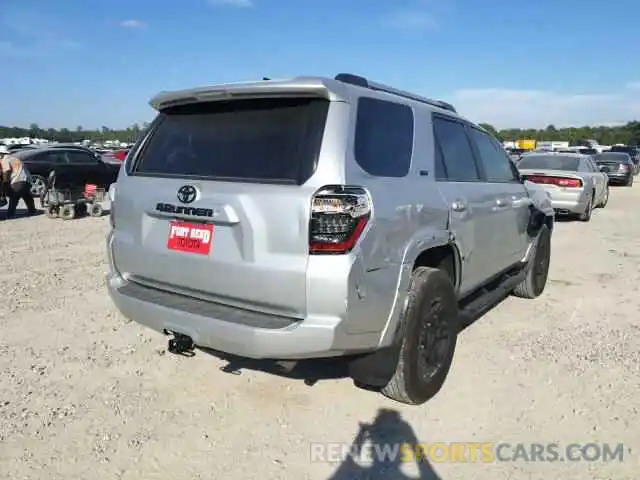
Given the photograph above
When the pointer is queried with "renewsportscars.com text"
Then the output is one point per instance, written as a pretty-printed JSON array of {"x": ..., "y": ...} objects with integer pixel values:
[{"x": 462, "y": 452}]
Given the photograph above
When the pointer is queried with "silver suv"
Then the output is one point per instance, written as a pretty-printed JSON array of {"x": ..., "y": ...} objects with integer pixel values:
[{"x": 317, "y": 217}]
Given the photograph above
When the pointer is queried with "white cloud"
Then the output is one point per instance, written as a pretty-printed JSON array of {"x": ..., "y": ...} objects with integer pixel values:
[
  {"x": 410, "y": 20},
  {"x": 232, "y": 3},
  {"x": 510, "y": 108},
  {"x": 132, "y": 24}
]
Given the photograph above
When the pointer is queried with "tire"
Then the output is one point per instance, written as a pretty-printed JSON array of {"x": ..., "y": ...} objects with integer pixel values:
[
  {"x": 52, "y": 211},
  {"x": 629, "y": 182},
  {"x": 68, "y": 212},
  {"x": 604, "y": 202},
  {"x": 586, "y": 215},
  {"x": 38, "y": 185},
  {"x": 534, "y": 283},
  {"x": 431, "y": 298},
  {"x": 96, "y": 210}
]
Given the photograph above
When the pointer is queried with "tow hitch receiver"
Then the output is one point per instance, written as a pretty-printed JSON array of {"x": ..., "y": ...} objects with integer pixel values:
[{"x": 181, "y": 344}]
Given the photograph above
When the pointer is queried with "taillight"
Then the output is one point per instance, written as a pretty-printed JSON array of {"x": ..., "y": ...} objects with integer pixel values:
[
  {"x": 339, "y": 215},
  {"x": 559, "y": 181},
  {"x": 112, "y": 203}
]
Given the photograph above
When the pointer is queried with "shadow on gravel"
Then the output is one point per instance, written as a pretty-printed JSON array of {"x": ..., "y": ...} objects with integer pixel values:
[
  {"x": 20, "y": 213},
  {"x": 384, "y": 456},
  {"x": 310, "y": 371}
]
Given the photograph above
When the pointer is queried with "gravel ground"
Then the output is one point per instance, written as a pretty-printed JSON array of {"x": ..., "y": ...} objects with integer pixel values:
[{"x": 86, "y": 395}]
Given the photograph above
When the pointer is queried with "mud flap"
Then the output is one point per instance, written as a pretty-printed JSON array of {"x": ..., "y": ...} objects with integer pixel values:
[
  {"x": 376, "y": 369},
  {"x": 536, "y": 221}
]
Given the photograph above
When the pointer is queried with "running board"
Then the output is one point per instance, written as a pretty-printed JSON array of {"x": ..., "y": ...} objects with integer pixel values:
[{"x": 487, "y": 298}]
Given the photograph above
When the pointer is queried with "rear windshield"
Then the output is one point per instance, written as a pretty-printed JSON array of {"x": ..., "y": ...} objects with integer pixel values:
[
  {"x": 549, "y": 162},
  {"x": 274, "y": 140},
  {"x": 612, "y": 157}
]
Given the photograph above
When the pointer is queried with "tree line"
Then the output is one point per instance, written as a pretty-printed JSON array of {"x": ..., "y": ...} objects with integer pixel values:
[{"x": 626, "y": 134}]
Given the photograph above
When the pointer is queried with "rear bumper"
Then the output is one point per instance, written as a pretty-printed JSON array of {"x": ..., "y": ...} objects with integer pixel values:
[
  {"x": 569, "y": 206},
  {"x": 311, "y": 337},
  {"x": 619, "y": 178}
]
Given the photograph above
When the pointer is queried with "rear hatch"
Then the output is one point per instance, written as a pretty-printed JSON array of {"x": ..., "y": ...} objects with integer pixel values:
[{"x": 215, "y": 202}]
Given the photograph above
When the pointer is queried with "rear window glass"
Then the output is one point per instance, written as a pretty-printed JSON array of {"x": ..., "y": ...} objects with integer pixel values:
[
  {"x": 275, "y": 140},
  {"x": 384, "y": 137},
  {"x": 613, "y": 157},
  {"x": 550, "y": 162}
]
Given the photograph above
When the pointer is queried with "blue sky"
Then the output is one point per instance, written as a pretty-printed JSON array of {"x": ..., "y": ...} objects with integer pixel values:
[{"x": 518, "y": 63}]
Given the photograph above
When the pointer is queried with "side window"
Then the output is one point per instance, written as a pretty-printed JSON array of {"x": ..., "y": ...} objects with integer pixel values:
[
  {"x": 55, "y": 158},
  {"x": 583, "y": 166},
  {"x": 454, "y": 149},
  {"x": 79, "y": 158},
  {"x": 383, "y": 137},
  {"x": 497, "y": 165}
]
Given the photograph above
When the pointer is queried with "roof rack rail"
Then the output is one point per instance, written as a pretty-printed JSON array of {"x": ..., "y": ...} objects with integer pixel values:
[{"x": 363, "y": 82}]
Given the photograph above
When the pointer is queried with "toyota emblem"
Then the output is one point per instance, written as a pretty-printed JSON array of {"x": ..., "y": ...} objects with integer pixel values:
[{"x": 187, "y": 194}]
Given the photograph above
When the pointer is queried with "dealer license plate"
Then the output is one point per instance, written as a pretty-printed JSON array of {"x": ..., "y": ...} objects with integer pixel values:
[{"x": 190, "y": 237}]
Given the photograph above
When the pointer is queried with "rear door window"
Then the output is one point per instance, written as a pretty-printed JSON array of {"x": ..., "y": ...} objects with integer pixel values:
[
  {"x": 273, "y": 140},
  {"x": 383, "y": 137},
  {"x": 497, "y": 166},
  {"x": 80, "y": 158},
  {"x": 453, "y": 145}
]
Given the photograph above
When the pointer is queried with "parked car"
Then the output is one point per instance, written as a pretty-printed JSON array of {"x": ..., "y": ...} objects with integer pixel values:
[
  {"x": 316, "y": 217},
  {"x": 618, "y": 166},
  {"x": 632, "y": 152},
  {"x": 117, "y": 156},
  {"x": 574, "y": 182},
  {"x": 79, "y": 166},
  {"x": 20, "y": 146}
]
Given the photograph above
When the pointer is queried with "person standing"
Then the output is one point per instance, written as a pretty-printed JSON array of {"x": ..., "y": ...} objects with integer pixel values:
[{"x": 16, "y": 180}]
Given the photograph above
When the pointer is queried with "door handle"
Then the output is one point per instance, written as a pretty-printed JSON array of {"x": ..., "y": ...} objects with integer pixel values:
[
  {"x": 458, "y": 206},
  {"x": 520, "y": 202},
  {"x": 500, "y": 202}
]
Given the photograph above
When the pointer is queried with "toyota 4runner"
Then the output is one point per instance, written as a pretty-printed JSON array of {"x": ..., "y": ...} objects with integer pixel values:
[{"x": 317, "y": 217}]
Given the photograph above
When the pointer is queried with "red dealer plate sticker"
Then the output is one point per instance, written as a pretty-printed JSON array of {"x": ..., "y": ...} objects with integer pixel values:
[{"x": 190, "y": 237}]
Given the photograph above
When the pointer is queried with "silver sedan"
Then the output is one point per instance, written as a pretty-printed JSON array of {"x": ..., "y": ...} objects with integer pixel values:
[{"x": 574, "y": 182}]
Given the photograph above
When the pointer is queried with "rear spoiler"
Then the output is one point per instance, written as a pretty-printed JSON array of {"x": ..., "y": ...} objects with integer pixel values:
[{"x": 312, "y": 87}]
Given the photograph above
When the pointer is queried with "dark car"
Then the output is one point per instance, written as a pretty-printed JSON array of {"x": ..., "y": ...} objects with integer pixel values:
[
  {"x": 16, "y": 147},
  {"x": 78, "y": 165},
  {"x": 631, "y": 151},
  {"x": 618, "y": 166}
]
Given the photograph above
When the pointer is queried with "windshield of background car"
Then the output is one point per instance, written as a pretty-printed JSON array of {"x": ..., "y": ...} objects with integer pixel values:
[
  {"x": 272, "y": 140},
  {"x": 549, "y": 162},
  {"x": 612, "y": 157}
]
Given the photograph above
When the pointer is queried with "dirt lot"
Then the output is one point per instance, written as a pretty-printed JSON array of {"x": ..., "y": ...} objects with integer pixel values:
[{"x": 86, "y": 395}]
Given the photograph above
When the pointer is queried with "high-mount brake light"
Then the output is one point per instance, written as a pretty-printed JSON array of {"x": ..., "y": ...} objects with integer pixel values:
[
  {"x": 339, "y": 215},
  {"x": 559, "y": 181}
]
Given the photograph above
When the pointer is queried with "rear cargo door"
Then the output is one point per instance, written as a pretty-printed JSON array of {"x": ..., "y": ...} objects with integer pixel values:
[{"x": 215, "y": 202}]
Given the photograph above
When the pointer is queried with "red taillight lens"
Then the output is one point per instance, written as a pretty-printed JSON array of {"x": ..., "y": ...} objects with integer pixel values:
[
  {"x": 339, "y": 215},
  {"x": 121, "y": 155},
  {"x": 559, "y": 181}
]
